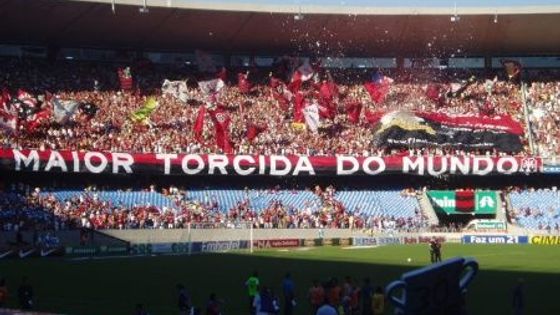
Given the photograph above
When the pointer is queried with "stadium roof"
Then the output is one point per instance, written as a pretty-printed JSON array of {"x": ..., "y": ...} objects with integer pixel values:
[{"x": 354, "y": 29}]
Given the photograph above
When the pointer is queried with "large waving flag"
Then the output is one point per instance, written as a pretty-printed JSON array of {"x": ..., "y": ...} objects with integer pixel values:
[
  {"x": 177, "y": 89},
  {"x": 143, "y": 114},
  {"x": 63, "y": 110}
]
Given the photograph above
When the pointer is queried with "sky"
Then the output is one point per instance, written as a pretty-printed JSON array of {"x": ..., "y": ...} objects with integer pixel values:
[{"x": 403, "y": 3}]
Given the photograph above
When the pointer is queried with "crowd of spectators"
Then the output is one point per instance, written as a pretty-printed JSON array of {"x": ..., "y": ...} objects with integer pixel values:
[
  {"x": 544, "y": 101},
  {"x": 86, "y": 210},
  {"x": 171, "y": 124}
]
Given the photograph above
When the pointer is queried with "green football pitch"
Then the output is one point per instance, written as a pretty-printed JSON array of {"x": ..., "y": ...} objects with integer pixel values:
[{"x": 114, "y": 285}]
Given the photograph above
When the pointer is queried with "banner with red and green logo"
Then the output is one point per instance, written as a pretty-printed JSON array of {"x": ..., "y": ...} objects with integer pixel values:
[{"x": 483, "y": 202}]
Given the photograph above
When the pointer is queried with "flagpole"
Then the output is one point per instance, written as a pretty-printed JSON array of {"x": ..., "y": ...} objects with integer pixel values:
[{"x": 526, "y": 114}]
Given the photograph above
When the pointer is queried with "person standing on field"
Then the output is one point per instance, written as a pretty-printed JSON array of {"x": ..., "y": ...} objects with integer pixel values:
[{"x": 252, "y": 285}]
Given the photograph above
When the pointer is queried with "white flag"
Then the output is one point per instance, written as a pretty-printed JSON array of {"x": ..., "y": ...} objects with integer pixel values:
[
  {"x": 63, "y": 110},
  {"x": 177, "y": 89},
  {"x": 211, "y": 87},
  {"x": 311, "y": 115}
]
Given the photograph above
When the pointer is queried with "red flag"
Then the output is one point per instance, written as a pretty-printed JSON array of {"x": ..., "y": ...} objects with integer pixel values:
[
  {"x": 295, "y": 84},
  {"x": 327, "y": 109},
  {"x": 37, "y": 119},
  {"x": 373, "y": 117},
  {"x": 327, "y": 93},
  {"x": 125, "y": 78},
  {"x": 199, "y": 123},
  {"x": 328, "y": 90},
  {"x": 378, "y": 91},
  {"x": 243, "y": 83},
  {"x": 353, "y": 110},
  {"x": 254, "y": 130},
  {"x": 299, "y": 104},
  {"x": 221, "y": 120}
]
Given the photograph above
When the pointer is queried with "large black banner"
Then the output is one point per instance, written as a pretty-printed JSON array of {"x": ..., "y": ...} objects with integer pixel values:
[
  {"x": 270, "y": 165},
  {"x": 408, "y": 130}
]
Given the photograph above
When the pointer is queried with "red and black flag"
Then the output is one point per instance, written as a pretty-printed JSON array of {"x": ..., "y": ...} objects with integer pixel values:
[{"x": 420, "y": 130}]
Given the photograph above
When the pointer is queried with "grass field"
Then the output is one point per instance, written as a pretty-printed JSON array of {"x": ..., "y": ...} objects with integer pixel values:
[{"x": 114, "y": 286}]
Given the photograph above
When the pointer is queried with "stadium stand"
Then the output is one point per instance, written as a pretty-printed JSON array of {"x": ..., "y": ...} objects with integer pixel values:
[
  {"x": 174, "y": 208},
  {"x": 109, "y": 128},
  {"x": 536, "y": 209}
]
